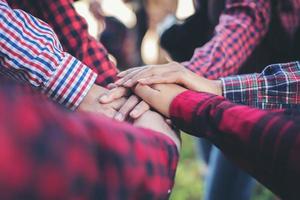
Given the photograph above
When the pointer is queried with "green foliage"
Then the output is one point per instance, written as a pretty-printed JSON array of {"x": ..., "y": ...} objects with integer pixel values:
[{"x": 190, "y": 172}]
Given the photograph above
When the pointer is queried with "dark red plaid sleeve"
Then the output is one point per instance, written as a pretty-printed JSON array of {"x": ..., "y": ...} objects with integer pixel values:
[
  {"x": 265, "y": 143},
  {"x": 72, "y": 32},
  {"x": 50, "y": 153},
  {"x": 241, "y": 27}
]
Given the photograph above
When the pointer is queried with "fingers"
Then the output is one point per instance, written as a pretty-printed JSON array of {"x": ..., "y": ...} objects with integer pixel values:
[
  {"x": 124, "y": 73},
  {"x": 113, "y": 94},
  {"x": 169, "y": 71},
  {"x": 122, "y": 114},
  {"x": 147, "y": 93},
  {"x": 146, "y": 73},
  {"x": 128, "y": 76},
  {"x": 172, "y": 77},
  {"x": 111, "y": 86},
  {"x": 108, "y": 112},
  {"x": 139, "y": 110},
  {"x": 117, "y": 104}
]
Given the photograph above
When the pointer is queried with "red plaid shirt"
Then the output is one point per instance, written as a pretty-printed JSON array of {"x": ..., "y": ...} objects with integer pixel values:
[
  {"x": 47, "y": 152},
  {"x": 72, "y": 32},
  {"x": 275, "y": 88},
  {"x": 243, "y": 24},
  {"x": 265, "y": 143}
]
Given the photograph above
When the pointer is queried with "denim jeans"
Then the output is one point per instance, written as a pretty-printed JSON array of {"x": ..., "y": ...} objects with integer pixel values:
[{"x": 224, "y": 180}]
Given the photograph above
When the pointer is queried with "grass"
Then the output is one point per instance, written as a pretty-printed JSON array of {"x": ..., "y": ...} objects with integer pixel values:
[{"x": 189, "y": 177}]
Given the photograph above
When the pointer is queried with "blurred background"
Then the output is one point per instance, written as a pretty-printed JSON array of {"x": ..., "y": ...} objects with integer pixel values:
[{"x": 131, "y": 31}]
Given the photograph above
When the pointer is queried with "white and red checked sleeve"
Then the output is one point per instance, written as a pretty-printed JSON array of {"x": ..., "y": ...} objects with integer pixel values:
[{"x": 30, "y": 52}]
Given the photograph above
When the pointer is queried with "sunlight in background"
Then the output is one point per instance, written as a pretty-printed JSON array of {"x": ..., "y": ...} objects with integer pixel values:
[
  {"x": 185, "y": 9},
  {"x": 82, "y": 7},
  {"x": 119, "y": 10},
  {"x": 150, "y": 44},
  {"x": 150, "y": 48}
]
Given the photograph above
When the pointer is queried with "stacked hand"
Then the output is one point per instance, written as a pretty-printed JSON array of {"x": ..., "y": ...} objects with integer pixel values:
[
  {"x": 158, "y": 85},
  {"x": 115, "y": 103},
  {"x": 155, "y": 85}
]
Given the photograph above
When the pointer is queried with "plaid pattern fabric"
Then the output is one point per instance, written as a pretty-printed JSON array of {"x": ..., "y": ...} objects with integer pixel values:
[
  {"x": 265, "y": 143},
  {"x": 47, "y": 152},
  {"x": 276, "y": 87},
  {"x": 30, "y": 52},
  {"x": 72, "y": 32},
  {"x": 242, "y": 26}
]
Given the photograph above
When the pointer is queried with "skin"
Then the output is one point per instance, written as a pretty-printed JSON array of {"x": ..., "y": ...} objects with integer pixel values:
[
  {"x": 116, "y": 103},
  {"x": 168, "y": 73},
  {"x": 158, "y": 123}
]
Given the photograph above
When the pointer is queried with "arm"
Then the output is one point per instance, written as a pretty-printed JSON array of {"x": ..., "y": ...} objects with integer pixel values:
[
  {"x": 55, "y": 154},
  {"x": 242, "y": 26},
  {"x": 266, "y": 144},
  {"x": 276, "y": 87},
  {"x": 73, "y": 34},
  {"x": 30, "y": 52}
]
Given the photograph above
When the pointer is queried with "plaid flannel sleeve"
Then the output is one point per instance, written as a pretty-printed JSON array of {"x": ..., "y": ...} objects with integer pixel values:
[
  {"x": 30, "y": 52},
  {"x": 242, "y": 26},
  {"x": 275, "y": 88},
  {"x": 56, "y": 154},
  {"x": 72, "y": 31},
  {"x": 264, "y": 143}
]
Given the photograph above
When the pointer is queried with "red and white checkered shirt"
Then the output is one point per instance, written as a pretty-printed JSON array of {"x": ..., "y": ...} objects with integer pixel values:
[{"x": 72, "y": 32}]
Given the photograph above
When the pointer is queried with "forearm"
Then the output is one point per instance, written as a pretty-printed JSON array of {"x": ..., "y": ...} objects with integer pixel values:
[
  {"x": 241, "y": 28},
  {"x": 72, "y": 31},
  {"x": 71, "y": 149},
  {"x": 31, "y": 53},
  {"x": 266, "y": 144},
  {"x": 275, "y": 88}
]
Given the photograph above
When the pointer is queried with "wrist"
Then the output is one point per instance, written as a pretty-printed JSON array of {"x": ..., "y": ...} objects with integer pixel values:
[
  {"x": 91, "y": 96},
  {"x": 70, "y": 82},
  {"x": 218, "y": 87}
]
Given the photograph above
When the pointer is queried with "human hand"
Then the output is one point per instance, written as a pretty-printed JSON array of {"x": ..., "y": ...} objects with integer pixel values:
[
  {"x": 132, "y": 107},
  {"x": 168, "y": 73},
  {"x": 91, "y": 102},
  {"x": 154, "y": 121},
  {"x": 159, "y": 96}
]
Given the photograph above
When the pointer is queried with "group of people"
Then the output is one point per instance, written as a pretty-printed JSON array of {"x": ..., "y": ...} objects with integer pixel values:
[{"x": 71, "y": 149}]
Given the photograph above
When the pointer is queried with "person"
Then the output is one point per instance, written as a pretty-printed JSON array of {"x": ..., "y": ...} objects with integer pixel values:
[
  {"x": 264, "y": 143},
  {"x": 71, "y": 30},
  {"x": 32, "y": 54},
  {"x": 48, "y": 152},
  {"x": 236, "y": 37},
  {"x": 276, "y": 87}
]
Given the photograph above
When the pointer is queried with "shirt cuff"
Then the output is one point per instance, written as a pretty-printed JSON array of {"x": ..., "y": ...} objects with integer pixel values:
[
  {"x": 70, "y": 82},
  {"x": 242, "y": 89},
  {"x": 186, "y": 105}
]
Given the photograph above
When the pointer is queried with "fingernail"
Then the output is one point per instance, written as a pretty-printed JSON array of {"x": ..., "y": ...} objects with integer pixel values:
[
  {"x": 118, "y": 81},
  {"x": 128, "y": 83},
  {"x": 133, "y": 114},
  {"x": 104, "y": 98},
  {"x": 120, "y": 74},
  {"x": 119, "y": 117},
  {"x": 143, "y": 81}
]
